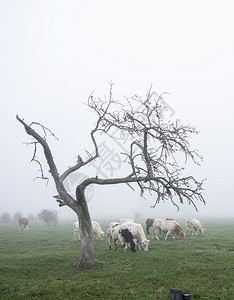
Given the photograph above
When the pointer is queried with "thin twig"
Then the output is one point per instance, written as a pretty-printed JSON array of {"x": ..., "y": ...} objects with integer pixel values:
[{"x": 216, "y": 246}]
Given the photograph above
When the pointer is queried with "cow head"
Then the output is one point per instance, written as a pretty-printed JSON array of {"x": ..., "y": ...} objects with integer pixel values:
[
  {"x": 101, "y": 236},
  {"x": 202, "y": 231},
  {"x": 145, "y": 244},
  {"x": 182, "y": 234}
]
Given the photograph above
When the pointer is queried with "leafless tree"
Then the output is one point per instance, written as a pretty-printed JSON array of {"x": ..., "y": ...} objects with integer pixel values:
[
  {"x": 5, "y": 218},
  {"x": 155, "y": 148},
  {"x": 49, "y": 216}
]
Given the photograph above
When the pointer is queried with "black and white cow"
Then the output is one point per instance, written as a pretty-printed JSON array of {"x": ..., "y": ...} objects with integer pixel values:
[{"x": 117, "y": 231}]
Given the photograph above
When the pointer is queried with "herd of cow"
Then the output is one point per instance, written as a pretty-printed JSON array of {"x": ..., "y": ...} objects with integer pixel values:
[{"x": 128, "y": 232}]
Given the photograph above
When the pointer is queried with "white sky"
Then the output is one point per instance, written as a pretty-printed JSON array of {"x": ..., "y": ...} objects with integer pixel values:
[{"x": 54, "y": 53}]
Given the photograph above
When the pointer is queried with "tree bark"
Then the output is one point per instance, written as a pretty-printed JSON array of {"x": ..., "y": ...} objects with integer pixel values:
[{"x": 86, "y": 258}]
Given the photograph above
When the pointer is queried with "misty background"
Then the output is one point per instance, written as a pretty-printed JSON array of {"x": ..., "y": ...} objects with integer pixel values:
[{"x": 53, "y": 54}]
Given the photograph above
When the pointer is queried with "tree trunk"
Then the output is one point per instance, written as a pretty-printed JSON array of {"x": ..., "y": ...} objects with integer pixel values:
[{"x": 86, "y": 258}]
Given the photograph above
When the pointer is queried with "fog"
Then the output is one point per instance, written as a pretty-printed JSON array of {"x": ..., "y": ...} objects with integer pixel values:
[{"x": 53, "y": 54}]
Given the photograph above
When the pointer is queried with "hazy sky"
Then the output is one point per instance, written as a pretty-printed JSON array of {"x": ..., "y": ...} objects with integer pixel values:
[{"x": 54, "y": 53}]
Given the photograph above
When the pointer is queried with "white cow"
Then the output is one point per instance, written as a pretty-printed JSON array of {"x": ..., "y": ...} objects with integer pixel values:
[
  {"x": 24, "y": 222},
  {"x": 194, "y": 224},
  {"x": 168, "y": 227},
  {"x": 111, "y": 233},
  {"x": 97, "y": 230},
  {"x": 138, "y": 234}
]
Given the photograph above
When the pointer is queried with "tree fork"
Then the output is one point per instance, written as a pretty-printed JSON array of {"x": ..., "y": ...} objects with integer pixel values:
[{"x": 79, "y": 206}]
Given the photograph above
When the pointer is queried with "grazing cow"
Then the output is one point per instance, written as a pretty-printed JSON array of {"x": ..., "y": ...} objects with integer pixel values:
[
  {"x": 97, "y": 231},
  {"x": 168, "y": 227},
  {"x": 127, "y": 238},
  {"x": 138, "y": 234},
  {"x": 123, "y": 220},
  {"x": 120, "y": 232},
  {"x": 194, "y": 224},
  {"x": 149, "y": 223},
  {"x": 168, "y": 220},
  {"x": 112, "y": 233},
  {"x": 23, "y": 221}
]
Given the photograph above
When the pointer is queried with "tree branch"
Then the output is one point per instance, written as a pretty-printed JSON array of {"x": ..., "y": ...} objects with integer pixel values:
[
  {"x": 53, "y": 169},
  {"x": 153, "y": 148}
]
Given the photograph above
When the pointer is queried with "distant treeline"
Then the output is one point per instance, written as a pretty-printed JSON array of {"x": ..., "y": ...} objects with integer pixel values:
[{"x": 48, "y": 216}]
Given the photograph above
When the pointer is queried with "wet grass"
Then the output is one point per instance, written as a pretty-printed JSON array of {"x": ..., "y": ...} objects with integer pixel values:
[{"x": 39, "y": 264}]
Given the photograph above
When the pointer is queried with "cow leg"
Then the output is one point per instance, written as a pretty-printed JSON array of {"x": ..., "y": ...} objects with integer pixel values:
[
  {"x": 147, "y": 228},
  {"x": 167, "y": 235},
  {"x": 109, "y": 238},
  {"x": 139, "y": 245},
  {"x": 153, "y": 233},
  {"x": 157, "y": 234},
  {"x": 125, "y": 247},
  {"x": 115, "y": 243},
  {"x": 123, "y": 243}
]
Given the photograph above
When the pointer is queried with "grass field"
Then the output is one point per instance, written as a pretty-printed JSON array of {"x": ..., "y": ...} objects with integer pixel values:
[{"x": 39, "y": 264}]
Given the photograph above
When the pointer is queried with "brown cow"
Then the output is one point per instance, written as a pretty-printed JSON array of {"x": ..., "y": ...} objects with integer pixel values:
[
  {"x": 23, "y": 221},
  {"x": 169, "y": 227}
]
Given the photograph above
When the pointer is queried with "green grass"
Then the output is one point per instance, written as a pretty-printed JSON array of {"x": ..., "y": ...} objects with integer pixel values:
[{"x": 39, "y": 264}]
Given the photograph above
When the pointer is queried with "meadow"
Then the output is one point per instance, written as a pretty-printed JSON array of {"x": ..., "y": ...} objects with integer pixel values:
[{"x": 39, "y": 264}]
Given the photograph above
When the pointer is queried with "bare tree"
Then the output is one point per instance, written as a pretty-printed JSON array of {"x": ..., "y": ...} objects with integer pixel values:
[
  {"x": 5, "y": 218},
  {"x": 48, "y": 216},
  {"x": 153, "y": 157}
]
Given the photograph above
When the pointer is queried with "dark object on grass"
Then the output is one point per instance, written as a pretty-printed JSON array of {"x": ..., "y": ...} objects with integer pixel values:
[
  {"x": 149, "y": 223},
  {"x": 186, "y": 296},
  {"x": 179, "y": 295},
  {"x": 216, "y": 246}
]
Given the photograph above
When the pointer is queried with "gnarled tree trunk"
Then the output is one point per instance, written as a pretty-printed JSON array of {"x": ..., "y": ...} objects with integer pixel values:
[{"x": 86, "y": 258}]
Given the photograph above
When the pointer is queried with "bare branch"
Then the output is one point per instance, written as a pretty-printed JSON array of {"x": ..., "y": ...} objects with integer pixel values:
[
  {"x": 155, "y": 146},
  {"x": 45, "y": 130},
  {"x": 53, "y": 169},
  {"x": 41, "y": 171}
]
